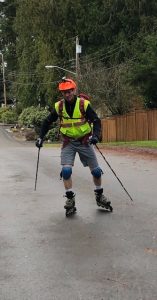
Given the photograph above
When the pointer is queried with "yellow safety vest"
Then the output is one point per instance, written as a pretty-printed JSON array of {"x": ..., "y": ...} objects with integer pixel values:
[{"x": 77, "y": 126}]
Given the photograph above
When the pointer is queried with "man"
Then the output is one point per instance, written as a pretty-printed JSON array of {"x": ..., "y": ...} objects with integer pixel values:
[{"x": 76, "y": 116}]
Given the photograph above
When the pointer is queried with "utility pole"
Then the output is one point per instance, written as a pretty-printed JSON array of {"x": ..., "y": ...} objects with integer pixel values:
[
  {"x": 78, "y": 51},
  {"x": 4, "y": 82}
]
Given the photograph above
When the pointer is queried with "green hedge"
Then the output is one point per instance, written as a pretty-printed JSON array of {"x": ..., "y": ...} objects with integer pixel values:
[
  {"x": 2, "y": 111},
  {"x": 32, "y": 116},
  {"x": 53, "y": 133},
  {"x": 8, "y": 115}
]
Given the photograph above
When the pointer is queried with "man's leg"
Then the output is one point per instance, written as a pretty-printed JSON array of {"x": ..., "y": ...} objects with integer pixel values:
[
  {"x": 69, "y": 194},
  {"x": 97, "y": 172},
  {"x": 88, "y": 158},
  {"x": 100, "y": 198},
  {"x": 91, "y": 161},
  {"x": 67, "y": 161},
  {"x": 67, "y": 179},
  {"x": 97, "y": 181}
]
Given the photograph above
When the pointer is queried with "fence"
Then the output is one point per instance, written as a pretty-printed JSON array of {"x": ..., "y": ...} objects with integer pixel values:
[{"x": 136, "y": 126}]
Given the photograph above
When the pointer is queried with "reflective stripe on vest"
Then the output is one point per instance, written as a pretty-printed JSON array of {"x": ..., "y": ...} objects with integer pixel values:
[{"x": 71, "y": 124}]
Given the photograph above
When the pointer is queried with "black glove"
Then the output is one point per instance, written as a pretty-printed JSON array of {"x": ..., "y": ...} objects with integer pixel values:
[
  {"x": 93, "y": 140},
  {"x": 39, "y": 143}
]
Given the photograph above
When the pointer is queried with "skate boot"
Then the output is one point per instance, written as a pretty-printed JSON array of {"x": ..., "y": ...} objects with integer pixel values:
[
  {"x": 70, "y": 204},
  {"x": 102, "y": 201}
]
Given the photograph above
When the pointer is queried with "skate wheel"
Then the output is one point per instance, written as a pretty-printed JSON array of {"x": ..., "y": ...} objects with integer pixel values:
[
  {"x": 70, "y": 212},
  {"x": 107, "y": 206},
  {"x": 111, "y": 208}
]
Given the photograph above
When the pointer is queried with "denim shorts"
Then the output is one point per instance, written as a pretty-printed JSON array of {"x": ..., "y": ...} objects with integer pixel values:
[{"x": 86, "y": 153}]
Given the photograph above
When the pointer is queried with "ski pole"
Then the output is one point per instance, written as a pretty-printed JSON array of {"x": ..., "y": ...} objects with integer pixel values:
[
  {"x": 114, "y": 173},
  {"x": 37, "y": 170}
]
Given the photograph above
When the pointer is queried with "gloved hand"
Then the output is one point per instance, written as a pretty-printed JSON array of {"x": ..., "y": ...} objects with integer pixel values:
[
  {"x": 93, "y": 140},
  {"x": 39, "y": 143}
]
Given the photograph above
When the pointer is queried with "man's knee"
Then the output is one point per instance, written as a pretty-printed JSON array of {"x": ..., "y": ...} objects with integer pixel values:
[
  {"x": 66, "y": 172},
  {"x": 96, "y": 172}
]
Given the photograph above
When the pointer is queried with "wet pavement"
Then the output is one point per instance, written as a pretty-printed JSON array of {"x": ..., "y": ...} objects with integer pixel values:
[{"x": 94, "y": 255}]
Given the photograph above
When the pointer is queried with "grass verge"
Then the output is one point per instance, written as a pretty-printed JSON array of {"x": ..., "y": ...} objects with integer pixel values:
[
  {"x": 134, "y": 144},
  {"x": 50, "y": 145}
]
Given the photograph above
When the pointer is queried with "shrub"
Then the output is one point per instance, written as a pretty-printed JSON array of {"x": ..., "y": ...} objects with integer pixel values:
[
  {"x": 39, "y": 116},
  {"x": 9, "y": 116},
  {"x": 26, "y": 118},
  {"x": 2, "y": 111},
  {"x": 53, "y": 135},
  {"x": 32, "y": 116}
]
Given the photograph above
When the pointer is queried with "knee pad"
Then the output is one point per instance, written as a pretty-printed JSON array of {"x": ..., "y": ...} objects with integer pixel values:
[
  {"x": 66, "y": 172},
  {"x": 96, "y": 172}
]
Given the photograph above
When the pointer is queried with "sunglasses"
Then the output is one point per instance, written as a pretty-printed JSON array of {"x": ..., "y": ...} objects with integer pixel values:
[{"x": 68, "y": 91}]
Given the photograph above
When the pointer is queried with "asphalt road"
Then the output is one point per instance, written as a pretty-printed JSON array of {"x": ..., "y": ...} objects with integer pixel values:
[{"x": 94, "y": 255}]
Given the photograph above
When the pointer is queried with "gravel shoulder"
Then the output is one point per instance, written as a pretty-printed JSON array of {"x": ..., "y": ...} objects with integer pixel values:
[{"x": 150, "y": 153}]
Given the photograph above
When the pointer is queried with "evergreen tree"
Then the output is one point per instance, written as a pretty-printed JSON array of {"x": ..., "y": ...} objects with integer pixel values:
[
  {"x": 144, "y": 70},
  {"x": 38, "y": 33}
]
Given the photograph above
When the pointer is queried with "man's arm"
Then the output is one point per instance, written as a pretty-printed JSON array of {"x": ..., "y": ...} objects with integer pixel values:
[
  {"x": 52, "y": 117},
  {"x": 92, "y": 116}
]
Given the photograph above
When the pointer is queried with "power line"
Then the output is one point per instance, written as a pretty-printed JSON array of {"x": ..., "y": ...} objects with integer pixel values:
[
  {"x": 32, "y": 83},
  {"x": 56, "y": 82},
  {"x": 105, "y": 69},
  {"x": 105, "y": 55}
]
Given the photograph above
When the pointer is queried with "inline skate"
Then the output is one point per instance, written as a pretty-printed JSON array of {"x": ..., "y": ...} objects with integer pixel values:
[
  {"x": 102, "y": 201},
  {"x": 70, "y": 204}
]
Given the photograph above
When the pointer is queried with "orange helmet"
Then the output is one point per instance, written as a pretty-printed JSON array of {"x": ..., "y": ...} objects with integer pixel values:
[{"x": 67, "y": 84}]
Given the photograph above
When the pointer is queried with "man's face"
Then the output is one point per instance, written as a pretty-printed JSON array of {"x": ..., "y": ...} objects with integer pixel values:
[{"x": 68, "y": 95}]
